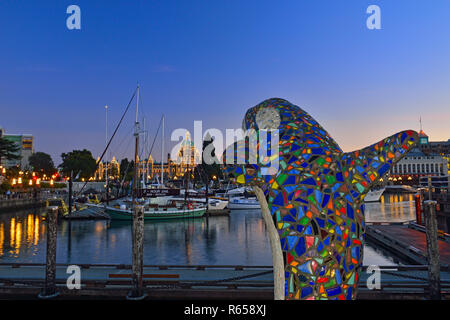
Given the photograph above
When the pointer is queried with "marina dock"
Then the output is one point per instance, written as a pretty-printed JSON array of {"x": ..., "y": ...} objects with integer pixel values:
[
  {"x": 406, "y": 241},
  {"x": 8, "y": 205},
  {"x": 107, "y": 281}
]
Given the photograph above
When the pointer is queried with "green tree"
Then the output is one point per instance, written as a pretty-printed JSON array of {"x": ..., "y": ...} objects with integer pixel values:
[
  {"x": 126, "y": 169},
  {"x": 78, "y": 161},
  {"x": 210, "y": 167},
  {"x": 42, "y": 163},
  {"x": 8, "y": 149},
  {"x": 5, "y": 186}
]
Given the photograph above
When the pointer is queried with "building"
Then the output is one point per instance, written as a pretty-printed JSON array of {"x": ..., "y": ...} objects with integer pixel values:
[
  {"x": 113, "y": 169},
  {"x": 25, "y": 142},
  {"x": 188, "y": 157},
  {"x": 417, "y": 164},
  {"x": 433, "y": 148},
  {"x": 436, "y": 147}
]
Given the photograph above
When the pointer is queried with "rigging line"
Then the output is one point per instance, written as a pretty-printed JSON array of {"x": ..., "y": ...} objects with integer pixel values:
[
  {"x": 156, "y": 135},
  {"x": 127, "y": 147},
  {"x": 112, "y": 137},
  {"x": 126, "y": 171},
  {"x": 128, "y": 139},
  {"x": 117, "y": 147}
]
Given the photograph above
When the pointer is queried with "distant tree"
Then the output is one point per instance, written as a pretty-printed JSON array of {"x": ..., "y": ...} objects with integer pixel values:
[
  {"x": 210, "y": 166},
  {"x": 42, "y": 163},
  {"x": 8, "y": 149},
  {"x": 126, "y": 169},
  {"x": 114, "y": 171},
  {"x": 5, "y": 186},
  {"x": 78, "y": 161},
  {"x": 124, "y": 164}
]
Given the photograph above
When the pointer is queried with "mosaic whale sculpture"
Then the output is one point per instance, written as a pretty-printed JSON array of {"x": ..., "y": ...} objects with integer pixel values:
[{"x": 315, "y": 199}]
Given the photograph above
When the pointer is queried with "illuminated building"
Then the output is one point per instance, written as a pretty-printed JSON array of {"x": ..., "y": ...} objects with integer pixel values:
[
  {"x": 25, "y": 142},
  {"x": 113, "y": 169}
]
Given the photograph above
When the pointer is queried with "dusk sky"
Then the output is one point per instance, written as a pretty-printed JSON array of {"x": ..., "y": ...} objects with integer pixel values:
[{"x": 212, "y": 60}]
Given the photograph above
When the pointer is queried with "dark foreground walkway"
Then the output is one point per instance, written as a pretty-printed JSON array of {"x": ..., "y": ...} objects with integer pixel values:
[{"x": 197, "y": 282}]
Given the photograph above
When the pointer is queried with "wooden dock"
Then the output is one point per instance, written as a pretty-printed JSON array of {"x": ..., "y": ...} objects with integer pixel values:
[
  {"x": 173, "y": 282},
  {"x": 406, "y": 241},
  {"x": 8, "y": 205}
]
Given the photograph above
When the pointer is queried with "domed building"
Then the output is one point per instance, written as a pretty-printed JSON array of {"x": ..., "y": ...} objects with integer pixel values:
[{"x": 188, "y": 157}]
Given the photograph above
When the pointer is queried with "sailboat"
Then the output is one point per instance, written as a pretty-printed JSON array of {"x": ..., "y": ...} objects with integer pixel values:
[{"x": 155, "y": 208}]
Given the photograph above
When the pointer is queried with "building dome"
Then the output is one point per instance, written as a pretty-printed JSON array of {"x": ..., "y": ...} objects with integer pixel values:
[
  {"x": 187, "y": 153},
  {"x": 422, "y": 134}
]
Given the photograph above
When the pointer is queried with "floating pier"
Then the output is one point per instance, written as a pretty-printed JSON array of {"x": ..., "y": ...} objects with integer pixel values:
[
  {"x": 89, "y": 213},
  {"x": 406, "y": 240},
  {"x": 109, "y": 281},
  {"x": 8, "y": 205}
]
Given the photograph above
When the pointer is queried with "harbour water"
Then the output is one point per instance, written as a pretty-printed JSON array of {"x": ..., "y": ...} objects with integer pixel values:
[{"x": 238, "y": 239}]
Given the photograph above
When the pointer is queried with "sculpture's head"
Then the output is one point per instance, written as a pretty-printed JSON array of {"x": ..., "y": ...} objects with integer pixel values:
[{"x": 314, "y": 192}]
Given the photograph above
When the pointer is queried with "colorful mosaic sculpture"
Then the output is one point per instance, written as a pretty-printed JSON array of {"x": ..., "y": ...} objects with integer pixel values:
[{"x": 316, "y": 196}]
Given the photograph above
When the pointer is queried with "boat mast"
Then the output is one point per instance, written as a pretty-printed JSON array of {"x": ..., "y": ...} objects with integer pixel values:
[
  {"x": 136, "y": 134},
  {"x": 162, "y": 152},
  {"x": 106, "y": 144},
  {"x": 144, "y": 151}
]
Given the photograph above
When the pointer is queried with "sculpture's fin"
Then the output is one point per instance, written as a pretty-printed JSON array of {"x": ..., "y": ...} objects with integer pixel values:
[{"x": 362, "y": 169}]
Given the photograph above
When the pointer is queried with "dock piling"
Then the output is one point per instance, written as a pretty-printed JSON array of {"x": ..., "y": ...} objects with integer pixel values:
[
  {"x": 137, "y": 292},
  {"x": 432, "y": 250},
  {"x": 49, "y": 291}
]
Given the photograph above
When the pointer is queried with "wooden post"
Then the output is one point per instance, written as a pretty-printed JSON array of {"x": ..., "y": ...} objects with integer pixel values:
[
  {"x": 70, "y": 194},
  {"x": 274, "y": 239},
  {"x": 49, "y": 290},
  {"x": 432, "y": 250},
  {"x": 137, "y": 292},
  {"x": 207, "y": 198},
  {"x": 417, "y": 202},
  {"x": 429, "y": 189}
]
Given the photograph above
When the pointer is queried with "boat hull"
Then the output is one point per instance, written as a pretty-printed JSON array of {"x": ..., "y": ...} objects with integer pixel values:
[
  {"x": 243, "y": 206},
  {"x": 119, "y": 214}
]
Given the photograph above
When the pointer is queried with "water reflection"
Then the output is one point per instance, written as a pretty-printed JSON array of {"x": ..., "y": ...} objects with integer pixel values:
[
  {"x": 391, "y": 208},
  {"x": 240, "y": 238},
  {"x": 20, "y": 234}
]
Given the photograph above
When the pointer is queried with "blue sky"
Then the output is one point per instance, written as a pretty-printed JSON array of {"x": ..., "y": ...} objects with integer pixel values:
[{"x": 212, "y": 60}]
